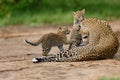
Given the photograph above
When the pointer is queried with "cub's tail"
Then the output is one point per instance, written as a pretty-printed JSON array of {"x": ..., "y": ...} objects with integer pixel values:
[{"x": 33, "y": 43}]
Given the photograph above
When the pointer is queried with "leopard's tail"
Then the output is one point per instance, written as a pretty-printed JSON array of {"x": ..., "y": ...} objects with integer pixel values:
[{"x": 33, "y": 43}]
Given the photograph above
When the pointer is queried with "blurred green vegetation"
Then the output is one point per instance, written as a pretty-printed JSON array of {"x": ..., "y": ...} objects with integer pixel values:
[
  {"x": 41, "y": 12},
  {"x": 114, "y": 78}
]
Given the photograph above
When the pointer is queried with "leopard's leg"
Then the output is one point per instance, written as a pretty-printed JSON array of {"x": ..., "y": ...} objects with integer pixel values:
[
  {"x": 70, "y": 46},
  {"x": 46, "y": 50},
  {"x": 61, "y": 48}
]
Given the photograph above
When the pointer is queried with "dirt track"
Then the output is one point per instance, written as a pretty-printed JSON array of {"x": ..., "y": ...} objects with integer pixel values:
[{"x": 15, "y": 59}]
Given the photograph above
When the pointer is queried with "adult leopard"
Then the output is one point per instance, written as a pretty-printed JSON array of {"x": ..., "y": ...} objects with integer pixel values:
[{"x": 103, "y": 44}]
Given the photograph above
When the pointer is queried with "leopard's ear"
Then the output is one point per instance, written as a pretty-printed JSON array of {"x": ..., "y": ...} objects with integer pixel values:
[
  {"x": 73, "y": 13},
  {"x": 83, "y": 11}
]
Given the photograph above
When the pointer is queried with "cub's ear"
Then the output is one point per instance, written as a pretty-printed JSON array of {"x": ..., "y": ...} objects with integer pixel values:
[
  {"x": 83, "y": 11},
  {"x": 73, "y": 13}
]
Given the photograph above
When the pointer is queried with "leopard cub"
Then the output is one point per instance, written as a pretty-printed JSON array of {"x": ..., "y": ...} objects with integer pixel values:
[
  {"x": 49, "y": 40},
  {"x": 81, "y": 38}
]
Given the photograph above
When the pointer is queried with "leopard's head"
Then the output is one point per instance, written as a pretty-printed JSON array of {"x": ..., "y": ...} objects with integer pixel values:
[
  {"x": 64, "y": 30},
  {"x": 78, "y": 16}
]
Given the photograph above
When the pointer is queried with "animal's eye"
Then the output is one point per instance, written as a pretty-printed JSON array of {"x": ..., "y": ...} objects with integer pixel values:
[{"x": 85, "y": 36}]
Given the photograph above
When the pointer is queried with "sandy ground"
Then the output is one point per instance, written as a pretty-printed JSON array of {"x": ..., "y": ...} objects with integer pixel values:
[{"x": 16, "y": 56}]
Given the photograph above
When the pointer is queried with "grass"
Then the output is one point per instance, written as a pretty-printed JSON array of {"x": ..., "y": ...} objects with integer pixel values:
[
  {"x": 37, "y": 19},
  {"x": 40, "y": 19},
  {"x": 60, "y": 15},
  {"x": 113, "y": 78}
]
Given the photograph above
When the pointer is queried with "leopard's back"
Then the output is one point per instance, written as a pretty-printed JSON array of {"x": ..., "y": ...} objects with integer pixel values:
[
  {"x": 102, "y": 40},
  {"x": 51, "y": 39},
  {"x": 102, "y": 44}
]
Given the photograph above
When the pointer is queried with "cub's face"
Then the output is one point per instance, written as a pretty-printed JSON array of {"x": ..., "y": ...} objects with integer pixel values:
[
  {"x": 78, "y": 16},
  {"x": 64, "y": 30}
]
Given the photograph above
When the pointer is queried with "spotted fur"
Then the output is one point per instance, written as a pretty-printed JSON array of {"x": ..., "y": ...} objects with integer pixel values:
[
  {"x": 49, "y": 40},
  {"x": 81, "y": 40},
  {"x": 103, "y": 44}
]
